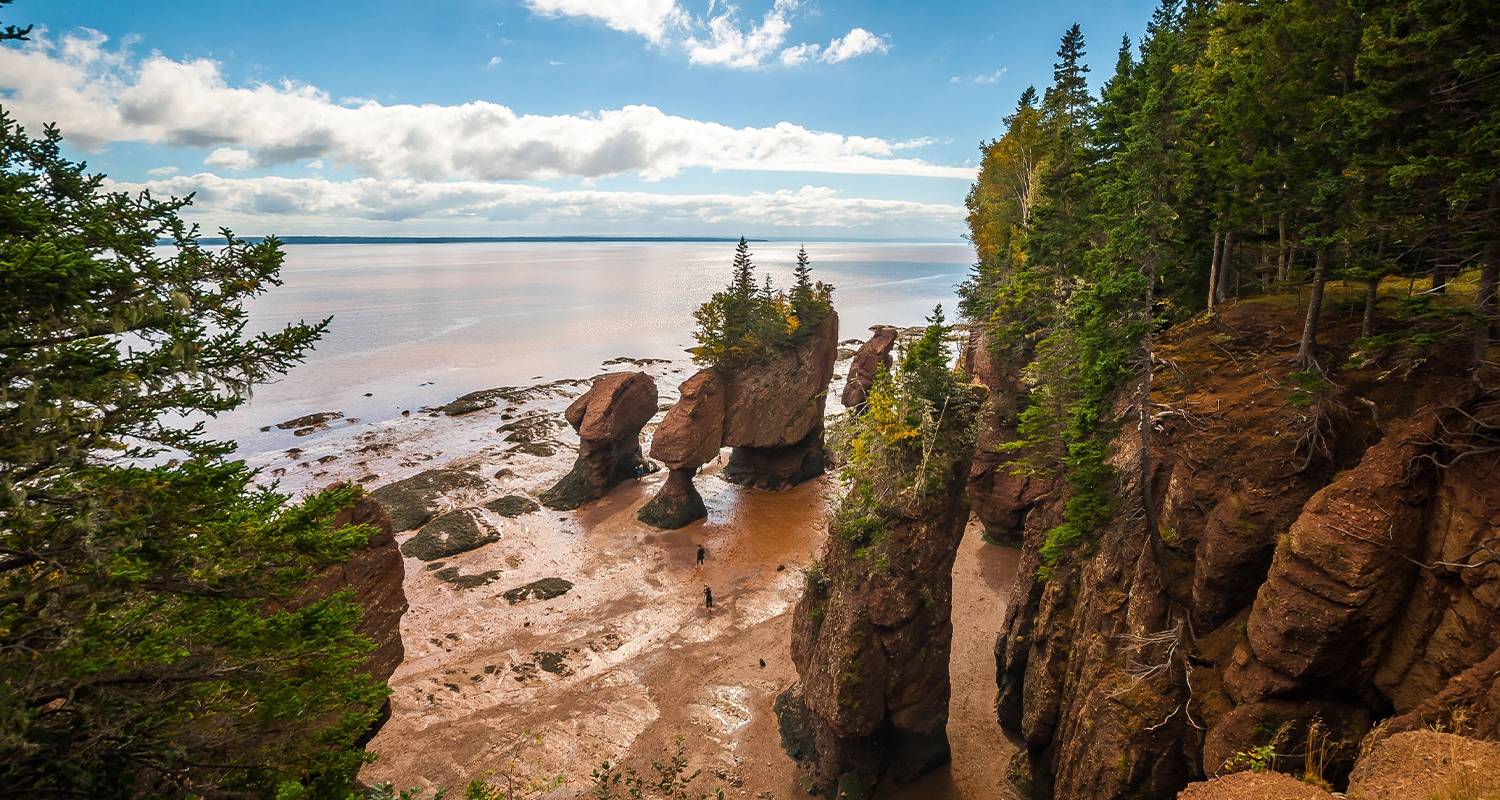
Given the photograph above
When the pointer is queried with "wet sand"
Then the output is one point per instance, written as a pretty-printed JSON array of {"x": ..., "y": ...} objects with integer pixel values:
[{"x": 629, "y": 660}]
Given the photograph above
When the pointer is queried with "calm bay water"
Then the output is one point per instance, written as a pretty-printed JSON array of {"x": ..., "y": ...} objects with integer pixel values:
[{"x": 419, "y": 324}]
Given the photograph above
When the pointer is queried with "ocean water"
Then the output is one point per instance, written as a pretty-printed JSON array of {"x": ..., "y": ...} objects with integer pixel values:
[{"x": 419, "y": 324}]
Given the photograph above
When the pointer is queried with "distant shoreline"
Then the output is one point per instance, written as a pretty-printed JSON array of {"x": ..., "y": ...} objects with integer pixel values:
[{"x": 301, "y": 240}]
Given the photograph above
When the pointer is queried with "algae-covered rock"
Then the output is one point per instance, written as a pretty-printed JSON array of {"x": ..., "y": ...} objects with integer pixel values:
[
  {"x": 449, "y": 534},
  {"x": 412, "y": 501},
  {"x": 454, "y": 576},
  {"x": 544, "y": 589},
  {"x": 513, "y": 505},
  {"x": 676, "y": 504}
]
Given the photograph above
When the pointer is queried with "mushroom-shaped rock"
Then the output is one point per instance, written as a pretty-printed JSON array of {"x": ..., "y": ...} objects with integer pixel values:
[
  {"x": 774, "y": 412},
  {"x": 693, "y": 429},
  {"x": 873, "y": 356},
  {"x": 608, "y": 418},
  {"x": 676, "y": 504},
  {"x": 770, "y": 411}
]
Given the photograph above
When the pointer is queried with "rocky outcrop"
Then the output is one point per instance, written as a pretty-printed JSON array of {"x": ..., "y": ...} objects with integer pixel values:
[
  {"x": 608, "y": 418},
  {"x": 871, "y": 637},
  {"x": 769, "y": 411},
  {"x": 1001, "y": 498},
  {"x": 1419, "y": 765},
  {"x": 1317, "y": 564},
  {"x": 375, "y": 574},
  {"x": 1470, "y": 703},
  {"x": 871, "y": 357}
]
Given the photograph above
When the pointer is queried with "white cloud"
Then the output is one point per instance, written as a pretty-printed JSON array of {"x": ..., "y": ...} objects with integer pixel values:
[
  {"x": 316, "y": 163},
  {"x": 729, "y": 46},
  {"x": 990, "y": 77},
  {"x": 494, "y": 61},
  {"x": 855, "y": 43},
  {"x": 99, "y": 95},
  {"x": 718, "y": 39},
  {"x": 652, "y": 19},
  {"x": 230, "y": 158},
  {"x": 954, "y": 79},
  {"x": 302, "y": 203},
  {"x": 161, "y": 172},
  {"x": 798, "y": 55}
]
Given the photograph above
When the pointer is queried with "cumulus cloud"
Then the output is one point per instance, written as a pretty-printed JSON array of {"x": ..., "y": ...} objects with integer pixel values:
[
  {"x": 259, "y": 202},
  {"x": 652, "y": 19},
  {"x": 728, "y": 45},
  {"x": 855, "y": 43},
  {"x": 230, "y": 158},
  {"x": 99, "y": 95},
  {"x": 161, "y": 172},
  {"x": 718, "y": 39}
]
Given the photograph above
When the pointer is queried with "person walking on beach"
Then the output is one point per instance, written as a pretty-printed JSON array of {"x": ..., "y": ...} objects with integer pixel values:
[
  {"x": 701, "y": 554},
  {"x": 708, "y": 597}
]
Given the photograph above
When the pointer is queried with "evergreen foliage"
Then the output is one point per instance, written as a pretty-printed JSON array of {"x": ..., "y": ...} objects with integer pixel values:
[
  {"x": 1242, "y": 147},
  {"x": 152, "y": 639},
  {"x": 746, "y": 321},
  {"x": 900, "y": 454}
]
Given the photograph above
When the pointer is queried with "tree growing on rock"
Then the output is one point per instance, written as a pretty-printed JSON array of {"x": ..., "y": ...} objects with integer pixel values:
[
  {"x": 152, "y": 640},
  {"x": 748, "y": 320}
]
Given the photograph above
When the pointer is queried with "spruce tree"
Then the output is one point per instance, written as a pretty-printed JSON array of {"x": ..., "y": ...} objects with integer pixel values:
[{"x": 150, "y": 637}]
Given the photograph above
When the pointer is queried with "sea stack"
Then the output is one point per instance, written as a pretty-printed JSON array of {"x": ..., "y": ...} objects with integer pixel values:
[
  {"x": 608, "y": 418},
  {"x": 770, "y": 411},
  {"x": 872, "y": 357}
]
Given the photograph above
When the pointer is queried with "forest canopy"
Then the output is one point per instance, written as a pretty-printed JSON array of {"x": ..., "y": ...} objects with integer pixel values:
[{"x": 1242, "y": 148}]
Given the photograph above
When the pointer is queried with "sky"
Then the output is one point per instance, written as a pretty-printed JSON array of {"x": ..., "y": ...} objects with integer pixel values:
[{"x": 775, "y": 118}]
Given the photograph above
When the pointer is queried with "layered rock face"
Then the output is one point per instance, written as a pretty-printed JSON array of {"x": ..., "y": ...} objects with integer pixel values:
[
  {"x": 1320, "y": 566},
  {"x": 872, "y": 357},
  {"x": 1001, "y": 499},
  {"x": 770, "y": 412},
  {"x": 871, "y": 637},
  {"x": 608, "y": 418}
]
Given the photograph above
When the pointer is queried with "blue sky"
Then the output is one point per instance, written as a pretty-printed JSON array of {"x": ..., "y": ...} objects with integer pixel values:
[{"x": 503, "y": 117}]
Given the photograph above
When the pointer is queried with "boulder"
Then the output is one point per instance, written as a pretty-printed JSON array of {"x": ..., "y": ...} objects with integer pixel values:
[
  {"x": 608, "y": 418},
  {"x": 779, "y": 401},
  {"x": 1253, "y": 786},
  {"x": 411, "y": 502},
  {"x": 544, "y": 589},
  {"x": 449, "y": 534},
  {"x": 872, "y": 356}
]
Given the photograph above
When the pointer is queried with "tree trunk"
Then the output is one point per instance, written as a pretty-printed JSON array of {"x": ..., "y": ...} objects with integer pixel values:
[
  {"x": 1143, "y": 406},
  {"x": 1372, "y": 293},
  {"x": 1489, "y": 275},
  {"x": 1213, "y": 274},
  {"x": 1226, "y": 268},
  {"x": 1372, "y": 290},
  {"x": 1283, "y": 249},
  {"x": 1439, "y": 277},
  {"x": 1306, "y": 356}
]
